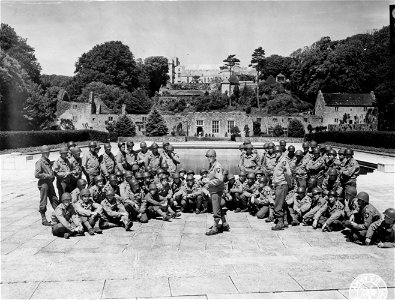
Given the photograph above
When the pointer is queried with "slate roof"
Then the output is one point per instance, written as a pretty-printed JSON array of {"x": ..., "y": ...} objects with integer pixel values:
[{"x": 342, "y": 99}]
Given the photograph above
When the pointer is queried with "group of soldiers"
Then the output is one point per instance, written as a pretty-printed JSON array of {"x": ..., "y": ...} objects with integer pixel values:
[{"x": 315, "y": 186}]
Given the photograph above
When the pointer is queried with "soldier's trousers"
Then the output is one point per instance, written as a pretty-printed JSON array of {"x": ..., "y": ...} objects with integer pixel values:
[
  {"x": 156, "y": 210},
  {"x": 280, "y": 194},
  {"x": 231, "y": 200},
  {"x": 63, "y": 187},
  {"x": 47, "y": 190},
  {"x": 263, "y": 212},
  {"x": 108, "y": 222},
  {"x": 243, "y": 200},
  {"x": 89, "y": 222},
  {"x": 134, "y": 212},
  {"x": 335, "y": 225},
  {"x": 216, "y": 205},
  {"x": 59, "y": 230}
]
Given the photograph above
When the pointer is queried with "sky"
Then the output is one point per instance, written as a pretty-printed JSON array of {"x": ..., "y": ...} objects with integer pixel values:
[{"x": 197, "y": 32}]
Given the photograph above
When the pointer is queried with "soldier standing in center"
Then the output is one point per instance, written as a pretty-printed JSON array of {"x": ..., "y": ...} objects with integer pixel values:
[
  {"x": 249, "y": 161},
  {"x": 155, "y": 158},
  {"x": 90, "y": 163},
  {"x": 143, "y": 155},
  {"x": 76, "y": 167},
  {"x": 216, "y": 188},
  {"x": 171, "y": 159},
  {"x": 108, "y": 161},
  {"x": 62, "y": 170}
]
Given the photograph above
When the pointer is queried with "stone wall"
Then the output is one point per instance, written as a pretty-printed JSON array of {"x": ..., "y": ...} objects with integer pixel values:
[{"x": 334, "y": 114}]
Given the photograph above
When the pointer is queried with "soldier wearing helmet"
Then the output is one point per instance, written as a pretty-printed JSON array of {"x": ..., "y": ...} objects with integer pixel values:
[
  {"x": 120, "y": 177},
  {"x": 268, "y": 161},
  {"x": 313, "y": 145},
  {"x": 216, "y": 189},
  {"x": 143, "y": 155},
  {"x": 182, "y": 174},
  {"x": 300, "y": 169},
  {"x": 248, "y": 189},
  {"x": 70, "y": 145},
  {"x": 108, "y": 161},
  {"x": 282, "y": 181},
  {"x": 177, "y": 188},
  {"x": 155, "y": 158},
  {"x": 76, "y": 166},
  {"x": 341, "y": 156},
  {"x": 298, "y": 205},
  {"x": 172, "y": 159},
  {"x": 192, "y": 199},
  {"x": 249, "y": 161},
  {"x": 262, "y": 200},
  {"x": 114, "y": 212},
  {"x": 75, "y": 194},
  {"x": 349, "y": 170},
  {"x": 316, "y": 167},
  {"x": 331, "y": 161},
  {"x": 332, "y": 182},
  {"x": 125, "y": 158},
  {"x": 89, "y": 212},
  {"x": 165, "y": 195},
  {"x": 91, "y": 163},
  {"x": 318, "y": 201},
  {"x": 366, "y": 214},
  {"x": 229, "y": 195},
  {"x": 330, "y": 215},
  {"x": 96, "y": 190},
  {"x": 124, "y": 186},
  {"x": 283, "y": 145},
  {"x": 155, "y": 206},
  {"x": 45, "y": 175},
  {"x": 305, "y": 147},
  {"x": 65, "y": 221},
  {"x": 291, "y": 158},
  {"x": 202, "y": 182},
  {"x": 381, "y": 232},
  {"x": 112, "y": 184},
  {"x": 134, "y": 201},
  {"x": 62, "y": 171}
]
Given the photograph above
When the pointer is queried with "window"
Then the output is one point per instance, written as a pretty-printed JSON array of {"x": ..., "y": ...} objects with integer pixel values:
[
  {"x": 336, "y": 120},
  {"x": 336, "y": 108},
  {"x": 215, "y": 126},
  {"x": 365, "y": 108},
  {"x": 74, "y": 106},
  {"x": 230, "y": 125},
  {"x": 110, "y": 118},
  {"x": 144, "y": 119},
  {"x": 199, "y": 122},
  {"x": 74, "y": 118}
]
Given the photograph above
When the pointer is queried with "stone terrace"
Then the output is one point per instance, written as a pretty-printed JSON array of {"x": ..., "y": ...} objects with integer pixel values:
[{"x": 177, "y": 260}]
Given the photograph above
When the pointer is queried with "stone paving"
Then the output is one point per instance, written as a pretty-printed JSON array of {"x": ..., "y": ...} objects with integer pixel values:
[{"x": 175, "y": 259}]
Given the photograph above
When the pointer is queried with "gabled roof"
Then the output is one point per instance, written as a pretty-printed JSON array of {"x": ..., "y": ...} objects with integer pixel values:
[{"x": 343, "y": 99}]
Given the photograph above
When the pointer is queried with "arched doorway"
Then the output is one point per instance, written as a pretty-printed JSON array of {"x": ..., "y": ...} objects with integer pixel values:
[{"x": 199, "y": 131}]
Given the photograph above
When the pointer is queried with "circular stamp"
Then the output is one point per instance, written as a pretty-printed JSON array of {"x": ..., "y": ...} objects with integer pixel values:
[{"x": 368, "y": 286}]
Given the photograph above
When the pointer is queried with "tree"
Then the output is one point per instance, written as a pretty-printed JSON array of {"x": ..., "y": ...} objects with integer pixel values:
[
  {"x": 234, "y": 132},
  {"x": 309, "y": 128},
  {"x": 258, "y": 63},
  {"x": 138, "y": 102},
  {"x": 155, "y": 125},
  {"x": 230, "y": 62},
  {"x": 111, "y": 63},
  {"x": 256, "y": 128},
  {"x": 156, "y": 67},
  {"x": 295, "y": 128},
  {"x": 122, "y": 127},
  {"x": 278, "y": 130},
  {"x": 247, "y": 130}
]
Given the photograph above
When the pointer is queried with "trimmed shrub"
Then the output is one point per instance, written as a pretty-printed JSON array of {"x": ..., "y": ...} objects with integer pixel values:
[
  {"x": 380, "y": 139},
  {"x": 21, "y": 139},
  {"x": 295, "y": 128},
  {"x": 278, "y": 130}
]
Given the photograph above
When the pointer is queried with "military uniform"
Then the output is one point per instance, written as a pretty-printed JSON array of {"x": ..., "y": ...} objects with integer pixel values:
[
  {"x": 291, "y": 163},
  {"x": 108, "y": 186},
  {"x": 315, "y": 168},
  {"x": 154, "y": 206},
  {"x": 177, "y": 188},
  {"x": 114, "y": 213},
  {"x": 300, "y": 206},
  {"x": 380, "y": 232},
  {"x": 328, "y": 185},
  {"x": 349, "y": 172},
  {"x": 75, "y": 195},
  {"x": 249, "y": 163},
  {"x": 232, "y": 193},
  {"x": 300, "y": 173},
  {"x": 331, "y": 215},
  {"x": 216, "y": 188},
  {"x": 124, "y": 190},
  {"x": 65, "y": 220},
  {"x": 62, "y": 171},
  {"x": 172, "y": 162},
  {"x": 44, "y": 174},
  {"x": 335, "y": 164},
  {"x": 76, "y": 171},
  {"x": 264, "y": 201},
  {"x": 91, "y": 165},
  {"x": 154, "y": 161},
  {"x": 363, "y": 220},
  {"x": 108, "y": 164},
  {"x": 124, "y": 161},
  {"x": 316, "y": 205},
  {"x": 248, "y": 191},
  {"x": 192, "y": 197},
  {"x": 268, "y": 163},
  {"x": 88, "y": 212},
  {"x": 143, "y": 158},
  {"x": 97, "y": 193},
  {"x": 136, "y": 204},
  {"x": 281, "y": 176}
]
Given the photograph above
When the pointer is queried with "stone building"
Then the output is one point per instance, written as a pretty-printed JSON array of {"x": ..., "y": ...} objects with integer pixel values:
[{"x": 343, "y": 108}]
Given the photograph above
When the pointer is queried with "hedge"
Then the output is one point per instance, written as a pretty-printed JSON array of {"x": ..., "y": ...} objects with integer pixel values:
[
  {"x": 21, "y": 139},
  {"x": 380, "y": 139}
]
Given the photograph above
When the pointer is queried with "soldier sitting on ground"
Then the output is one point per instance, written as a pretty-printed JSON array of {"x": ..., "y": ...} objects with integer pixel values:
[
  {"x": 177, "y": 188},
  {"x": 192, "y": 197},
  {"x": 248, "y": 189},
  {"x": 330, "y": 215},
  {"x": 81, "y": 184},
  {"x": 262, "y": 200},
  {"x": 317, "y": 203},
  {"x": 382, "y": 232},
  {"x": 96, "y": 190},
  {"x": 299, "y": 205},
  {"x": 135, "y": 202},
  {"x": 154, "y": 206},
  {"x": 88, "y": 211},
  {"x": 231, "y": 192},
  {"x": 114, "y": 212},
  {"x": 166, "y": 194},
  {"x": 112, "y": 184}
]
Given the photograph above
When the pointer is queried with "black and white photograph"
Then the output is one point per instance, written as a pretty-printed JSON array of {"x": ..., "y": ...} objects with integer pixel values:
[{"x": 197, "y": 149}]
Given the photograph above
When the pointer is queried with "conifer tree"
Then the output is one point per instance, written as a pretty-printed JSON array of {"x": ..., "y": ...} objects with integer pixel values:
[
  {"x": 124, "y": 127},
  {"x": 156, "y": 125}
]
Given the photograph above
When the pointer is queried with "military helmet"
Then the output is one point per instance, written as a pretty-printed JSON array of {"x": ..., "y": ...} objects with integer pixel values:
[
  {"x": 154, "y": 146},
  {"x": 135, "y": 167},
  {"x": 332, "y": 172},
  {"x": 190, "y": 171},
  {"x": 110, "y": 192},
  {"x": 265, "y": 145},
  {"x": 44, "y": 149},
  {"x": 278, "y": 149},
  {"x": 152, "y": 186},
  {"x": 160, "y": 171},
  {"x": 75, "y": 150},
  {"x": 99, "y": 178},
  {"x": 92, "y": 144},
  {"x": 390, "y": 213},
  {"x": 248, "y": 146},
  {"x": 298, "y": 153},
  {"x": 316, "y": 191},
  {"x": 63, "y": 150},
  {"x": 242, "y": 173},
  {"x": 348, "y": 152},
  {"x": 328, "y": 148},
  {"x": 259, "y": 171},
  {"x": 352, "y": 191},
  {"x": 129, "y": 144},
  {"x": 190, "y": 177},
  {"x": 128, "y": 174},
  {"x": 138, "y": 175},
  {"x": 316, "y": 151},
  {"x": 81, "y": 182},
  {"x": 312, "y": 182},
  {"x": 300, "y": 190},
  {"x": 211, "y": 153},
  {"x": 291, "y": 148},
  {"x": 112, "y": 178},
  {"x": 119, "y": 173},
  {"x": 241, "y": 146},
  {"x": 143, "y": 145},
  {"x": 332, "y": 152},
  {"x": 107, "y": 146},
  {"x": 85, "y": 192},
  {"x": 176, "y": 176},
  {"x": 322, "y": 148},
  {"x": 164, "y": 165},
  {"x": 263, "y": 179},
  {"x": 65, "y": 196},
  {"x": 363, "y": 196},
  {"x": 246, "y": 142},
  {"x": 283, "y": 143},
  {"x": 133, "y": 182},
  {"x": 270, "y": 145},
  {"x": 342, "y": 151},
  {"x": 203, "y": 171},
  {"x": 313, "y": 144},
  {"x": 147, "y": 175},
  {"x": 251, "y": 176},
  {"x": 231, "y": 176},
  {"x": 305, "y": 145},
  {"x": 182, "y": 170},
  {"x": 120, "y": 144},
  {"x": 332, "y": 193},
  {"x": 71, "y": 144},
  {"x": 170, "y": 148}
]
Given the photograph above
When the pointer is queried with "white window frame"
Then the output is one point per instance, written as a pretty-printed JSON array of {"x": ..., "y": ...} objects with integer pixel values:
[
  {"x": 110, "y": 118},
  {"x": 217, "y": 126},
  {"x": 229, "y": 122},
  {"x": 198, "y": 123}
]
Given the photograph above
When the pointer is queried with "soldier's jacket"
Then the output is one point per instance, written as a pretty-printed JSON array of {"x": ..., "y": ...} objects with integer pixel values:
[
  {"x": 124, "y": 189},
  {"x": 66, "y": 216},
  {"x": 315, "y": 167},
  {"x": 328, "y": 185},
  {"x": 300, "y": 169},
  {"x": 171, "y": 162},
  {"x": 137, "y": 198},
  {"x": 301, "y": 206},
  {"x": 152, "y": 200},
  {"x": 215, "y": 174},
  {"x": 62, "y": 169},
  {"x": 291, "y": 192},
  {"x": 249, "y": 190},
  {"x": 193, "y": 191},
  {"x": 250, "y": 162},
  {"x": 75, "y": 195},
  {"x": 124, "y": 161},
  {"x": 281, "y": 172},
  {"x": 108, "y": 164},
  {"x": 108, "y": 186},
  {"x": 203, "y": 181},
  {"x": 335, "y": 164},
  {"x": 43, "y": 171},
  {"x": 155, "y": 161},
  {"x": 334, "y": 212},
  {"x": 291, "y": 163},
  {"x": 268, "y": 163},
  {"x": 316, "y": 205},
  {"x": 91, "y": 164},
  {"x": 86, "y": 209},
  {"x": 143, "y": 158},
  {"x": 381, "y": 232},
  {"x": 115, "y": 208},
  {"x": 351, "y": 209},
  {"x": 97, "y": 194},
  {"x": 76, "y": 167},
  {"x": 165, "y": 192},
  {"x": 307, "y": 157},
  {"x": 176, "y": 187},
  {"x": 237, "y": 187},
  {"x": 228, "y": 186},
  {"x": 264, "y": 196},
  {"x": 349, "y": 171},
  {"x": 368, "y": 215}
]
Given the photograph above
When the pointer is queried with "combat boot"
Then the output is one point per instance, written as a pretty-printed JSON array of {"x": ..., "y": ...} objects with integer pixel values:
[
  {"x": 279, "y": 225},
  {"x": 97, "y": 230},
  {"x": 271, "y": 215},
  {"x": 285, "y": 218},
  {"x": 44, "y": 220},
  {"x": 214, "y": 230},
  {"x": 91, "y": 231}
]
